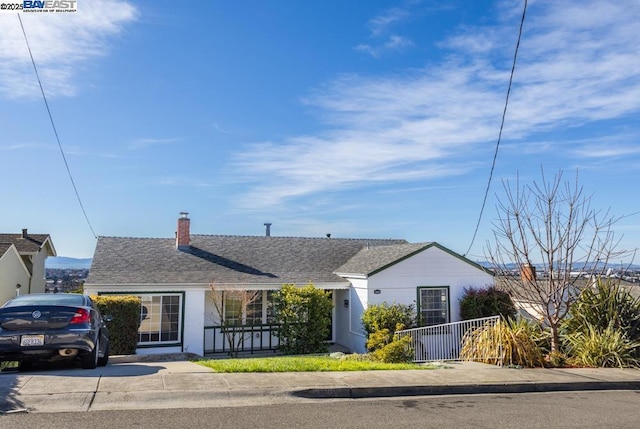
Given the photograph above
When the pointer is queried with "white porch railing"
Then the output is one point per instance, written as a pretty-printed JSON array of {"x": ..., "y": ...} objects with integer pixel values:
[{"x": 443, "y": 342}]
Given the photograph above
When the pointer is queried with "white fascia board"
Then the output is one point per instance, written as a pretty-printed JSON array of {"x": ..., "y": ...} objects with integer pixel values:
[
  {"x": 50, "y": 243},
  {"x": 352, "y": 275},
  {"x": 141, "y": 287},
  {"x": 277, "y": 286}
]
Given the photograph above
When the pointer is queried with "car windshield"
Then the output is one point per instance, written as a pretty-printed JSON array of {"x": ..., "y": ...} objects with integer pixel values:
[{"x": 47, "y": 299}]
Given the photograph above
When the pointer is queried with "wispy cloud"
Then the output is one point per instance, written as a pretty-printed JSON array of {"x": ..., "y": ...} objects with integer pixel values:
[
  {"x": 60, "y": 42},
  {"x": 22, "y": 146},
  {"x": 184, "y": 182},
  {"x": 577, "y": 65},
  {"x": 146, "y": 142},
  {"x": 392, "y": 44},
  {"x": 606, "y": 150},
  {"x": 380, "y": 24},
  {"x": 383, "y": 40}
]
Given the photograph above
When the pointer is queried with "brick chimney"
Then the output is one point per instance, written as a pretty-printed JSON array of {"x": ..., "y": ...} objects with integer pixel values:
[
  {"x": 183, "y": 234},
  {"x": 528, "y": 273}
]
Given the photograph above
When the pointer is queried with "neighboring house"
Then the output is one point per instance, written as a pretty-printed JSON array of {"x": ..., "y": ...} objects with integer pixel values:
[
  {"x": 177, "y": 280},
  {"x": 22, "y": 258}
]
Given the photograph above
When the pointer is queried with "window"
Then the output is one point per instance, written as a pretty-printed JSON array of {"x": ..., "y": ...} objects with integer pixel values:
[
  {"x": 232, "y": 310},
  {"x": 270, "y": 310},
  {"x": 433, "y": 305},
  {"x": 242, "y": 307},
  {"x": 254, "y": 310},
  {"x": 160, "y": 317}
]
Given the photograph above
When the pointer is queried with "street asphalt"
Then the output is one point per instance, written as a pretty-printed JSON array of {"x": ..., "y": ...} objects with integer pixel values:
[{"x": 147, "y": 382}]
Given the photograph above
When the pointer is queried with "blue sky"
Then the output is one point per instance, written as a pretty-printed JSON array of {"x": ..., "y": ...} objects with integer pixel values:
[{"x": 361, "y": 119}]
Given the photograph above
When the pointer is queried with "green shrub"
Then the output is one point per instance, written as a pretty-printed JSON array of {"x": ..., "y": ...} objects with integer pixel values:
[
  {"x": 388, "y": 316},
  {"x": 490, "y": 301},
  {"x": 399, "y": 350},
  {"x": 510, "y": 342},
  {"x": 606, "y": 305},
  {"x": 304, "y": 318},
  {"x": 382, "y": 337},
  {"x": 123, "y": 328},
  {"x": 596, "y": 347}
]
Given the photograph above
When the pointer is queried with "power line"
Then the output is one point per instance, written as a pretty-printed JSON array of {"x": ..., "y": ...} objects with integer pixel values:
[
  {"x": 504, "y": 114},
  {"x": 55, "y": 131}
]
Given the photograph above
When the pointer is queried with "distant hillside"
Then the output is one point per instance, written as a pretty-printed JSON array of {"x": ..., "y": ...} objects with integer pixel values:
[
  {"x": 578, "y": 266},
  {"x": 63, "y": 262}
]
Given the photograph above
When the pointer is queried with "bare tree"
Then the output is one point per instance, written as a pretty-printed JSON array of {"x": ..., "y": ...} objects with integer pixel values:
[
  {"x": 550, "y": 225},
  {"x": 232, "y": 308}
]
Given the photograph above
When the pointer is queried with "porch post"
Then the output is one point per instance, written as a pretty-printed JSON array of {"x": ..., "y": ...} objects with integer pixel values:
[{"x": 194, "y": 315}]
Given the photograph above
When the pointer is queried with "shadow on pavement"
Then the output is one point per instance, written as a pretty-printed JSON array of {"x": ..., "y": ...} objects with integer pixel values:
[
  {"x": 9, "y": 386},
  {"x": 73, "y": 369}
]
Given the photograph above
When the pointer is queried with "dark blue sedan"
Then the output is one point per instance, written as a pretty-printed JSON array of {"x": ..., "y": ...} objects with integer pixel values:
[{"x": 53, "y": 327}]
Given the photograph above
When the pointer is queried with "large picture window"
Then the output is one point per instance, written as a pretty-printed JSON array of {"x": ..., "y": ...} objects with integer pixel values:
[
  {"x": 433, "y": 305},
  {"x": 160, "y": 319}
]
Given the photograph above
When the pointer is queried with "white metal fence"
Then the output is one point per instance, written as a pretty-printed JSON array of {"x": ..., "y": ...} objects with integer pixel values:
[{"x": 443, "y": 342}]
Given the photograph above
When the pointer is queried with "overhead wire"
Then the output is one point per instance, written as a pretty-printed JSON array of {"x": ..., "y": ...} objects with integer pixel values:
[
  {"x": 55, "y": 131},
  {"x": 64, "y": 158},
  {"x": 504, "y": 114}
]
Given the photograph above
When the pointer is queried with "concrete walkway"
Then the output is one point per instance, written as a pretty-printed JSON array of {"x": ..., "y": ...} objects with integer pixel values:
[{"x": 145, "y": 383}]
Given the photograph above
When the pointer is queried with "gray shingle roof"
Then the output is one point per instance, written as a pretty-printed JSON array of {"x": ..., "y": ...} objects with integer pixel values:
[
  {"x": 224, "y": 259},
  {"x": 31, "y": 244},
  {"x": 4, "y": 247},
  {"x": 373, "y": 259}
]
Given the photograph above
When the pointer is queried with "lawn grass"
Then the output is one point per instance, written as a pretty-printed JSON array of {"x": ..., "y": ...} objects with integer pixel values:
[
  {"x": 302, "y": 364},
  {"x": 8, "y": 365}
]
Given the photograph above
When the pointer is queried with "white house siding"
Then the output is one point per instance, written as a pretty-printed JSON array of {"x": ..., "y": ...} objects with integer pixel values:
[
  {"x": 192, "y": 321},
  {"x": 399, "y": 283},
  {"x": 38, "y": 278},
  {"x": 431, "y": 267},
  {"x": 12, "y": 273}
]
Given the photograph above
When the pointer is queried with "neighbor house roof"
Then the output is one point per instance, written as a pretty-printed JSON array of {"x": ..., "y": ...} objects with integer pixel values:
[
  {"x": 4, "y": 247},
  {"x": 30, "y": 243},
  {"x": 225, "y": 260}
]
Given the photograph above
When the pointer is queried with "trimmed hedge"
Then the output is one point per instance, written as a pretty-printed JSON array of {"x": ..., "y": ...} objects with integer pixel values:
[
  {"x": 123, "y": 328},
  {"x": 486, "y": 302},
  {"x": 304, "y": 316}
]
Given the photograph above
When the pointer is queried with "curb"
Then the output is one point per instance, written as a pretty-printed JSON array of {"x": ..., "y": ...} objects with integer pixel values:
[{"x": 466, "y": 389}]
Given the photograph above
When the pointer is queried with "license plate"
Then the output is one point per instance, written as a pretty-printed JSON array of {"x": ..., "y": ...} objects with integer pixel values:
[{"x": 32, "y": 340}]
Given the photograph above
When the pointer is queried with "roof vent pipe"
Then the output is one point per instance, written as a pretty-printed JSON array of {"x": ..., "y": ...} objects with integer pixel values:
[{"x": 267, "y": 227}]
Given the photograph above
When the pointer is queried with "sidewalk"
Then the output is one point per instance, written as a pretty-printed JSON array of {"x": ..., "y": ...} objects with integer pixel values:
[{"x": 145, "y": 383}]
